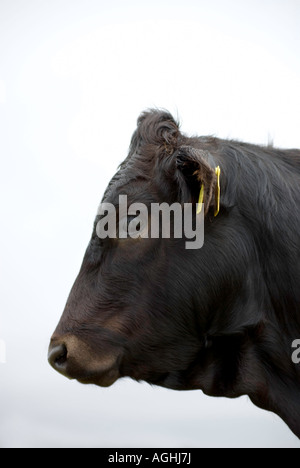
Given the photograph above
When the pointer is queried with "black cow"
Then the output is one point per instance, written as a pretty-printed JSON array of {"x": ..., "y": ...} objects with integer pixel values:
[{"x": 221, "y": 318}]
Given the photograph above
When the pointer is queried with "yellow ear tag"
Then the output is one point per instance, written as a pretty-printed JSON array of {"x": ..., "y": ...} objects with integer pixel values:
[
  {"x": 218, "y": 191},
  {"x": 200, "y": 201}
]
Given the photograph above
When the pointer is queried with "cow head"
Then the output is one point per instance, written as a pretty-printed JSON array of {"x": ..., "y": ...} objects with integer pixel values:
[
  {"x": 149, "y": 308},
  {"x": 211, "y": 318}
]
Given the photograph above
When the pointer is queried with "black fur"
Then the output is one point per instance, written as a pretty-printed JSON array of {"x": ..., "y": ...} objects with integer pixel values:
[{"x": 222, "y": 318}]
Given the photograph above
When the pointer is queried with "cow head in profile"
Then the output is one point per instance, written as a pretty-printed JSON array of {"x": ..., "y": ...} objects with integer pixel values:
[{"x": 209, "y": 318}]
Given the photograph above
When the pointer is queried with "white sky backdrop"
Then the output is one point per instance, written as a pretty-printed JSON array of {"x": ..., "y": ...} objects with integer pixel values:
[{"x": 74, "y": 76}]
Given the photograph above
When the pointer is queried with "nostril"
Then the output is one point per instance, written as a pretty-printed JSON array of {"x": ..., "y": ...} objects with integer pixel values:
[
  {"x": 61, "y": 359},
  {"x": 57, "y": 357}
]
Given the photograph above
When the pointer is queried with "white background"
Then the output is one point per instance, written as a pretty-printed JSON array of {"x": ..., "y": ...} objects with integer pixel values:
[{"x": 74, "y": 76}]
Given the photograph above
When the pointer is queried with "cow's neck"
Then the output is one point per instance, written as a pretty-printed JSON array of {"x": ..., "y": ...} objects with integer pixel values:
[
  {"x": 254, "y": 315},
  {"x": 232, "y": 366},
  {"x": 263, "y": 189}
]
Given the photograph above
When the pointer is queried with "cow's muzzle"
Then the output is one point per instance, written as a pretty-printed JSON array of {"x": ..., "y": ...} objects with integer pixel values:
[{"x": 74, "y": 359}]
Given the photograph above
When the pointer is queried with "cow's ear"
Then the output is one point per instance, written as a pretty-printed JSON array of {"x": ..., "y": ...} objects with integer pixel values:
[{"x": 197, "y": 174}]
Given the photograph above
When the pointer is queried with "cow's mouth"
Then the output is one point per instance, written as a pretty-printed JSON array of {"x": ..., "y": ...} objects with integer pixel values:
[
  {"x": 105, "y": 379},
  {"x": 76, "y": 361}
]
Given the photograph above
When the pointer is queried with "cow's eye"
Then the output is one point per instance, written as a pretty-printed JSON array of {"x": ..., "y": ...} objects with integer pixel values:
[
  {"x": 132, "y": 226},
  {"x": 126, "y": 226}
]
